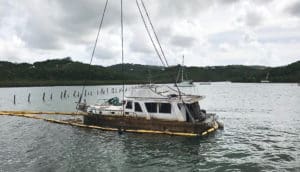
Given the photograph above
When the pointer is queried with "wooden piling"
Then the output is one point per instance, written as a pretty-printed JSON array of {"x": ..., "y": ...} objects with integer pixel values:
[
  {"x": 51, "y": 96},
  {"x": 65, "y": 93},
  {"x": 28, "y": 98},
  {"x": 14, "y": 99},
  {"x": 44, "y": 96}
]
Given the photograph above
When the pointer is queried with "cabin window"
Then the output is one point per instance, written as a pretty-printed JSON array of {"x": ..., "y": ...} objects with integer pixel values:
[
  {"x": 129, "y": 105},
  {"x": 137, "y": 107},
  {"x": 164, "y": 108},
  {"x": 151, "y": 107}
]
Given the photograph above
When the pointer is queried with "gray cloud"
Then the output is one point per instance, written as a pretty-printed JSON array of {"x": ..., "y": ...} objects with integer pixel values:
[
  {"x": 232, "y": 37},
  {"x": 139, "y": 47},
  {"x": 182, "y": 41},
  {"x": 41, "y": 36},
  {"x": 65, "y": 21},
  {"x": 227, "y": 1},
  {"x": 182, "y": 9},
  {"x": 253, "y": 19},
  {"x": 262, "y": 1},
  {"x": 2, "y": 10},
  {"x": 104, "y": 53},
  {"x": 60, "y": 28},
  {"x": 294, "y": 9},
  {"x": 279, "y": 35}
]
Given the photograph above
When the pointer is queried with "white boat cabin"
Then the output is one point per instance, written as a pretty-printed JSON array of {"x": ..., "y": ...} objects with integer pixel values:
[{"x": 154, "y": 102}]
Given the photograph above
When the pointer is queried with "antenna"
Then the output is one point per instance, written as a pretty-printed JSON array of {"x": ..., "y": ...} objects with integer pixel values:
[{"x": 149, "y": 75}]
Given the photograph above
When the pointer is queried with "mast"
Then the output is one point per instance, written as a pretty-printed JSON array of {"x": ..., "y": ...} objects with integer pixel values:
[{"x": 149, "y": 75}]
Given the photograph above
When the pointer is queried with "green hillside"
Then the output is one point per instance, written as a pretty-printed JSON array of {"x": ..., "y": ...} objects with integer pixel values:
[{"x": 68, "y": 72}]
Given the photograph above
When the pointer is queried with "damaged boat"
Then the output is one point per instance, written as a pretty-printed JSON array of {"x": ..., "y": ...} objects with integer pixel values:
[
  {"x": 157, "y": 108},
  {"x": 150, "y": 108}
]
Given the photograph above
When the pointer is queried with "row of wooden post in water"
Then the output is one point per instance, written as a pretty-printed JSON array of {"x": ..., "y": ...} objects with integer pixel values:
[{"x": 65, "y": 94}]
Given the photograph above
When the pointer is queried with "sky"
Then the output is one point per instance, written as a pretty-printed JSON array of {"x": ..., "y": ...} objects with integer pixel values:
[{"x": 206, "y": 32}]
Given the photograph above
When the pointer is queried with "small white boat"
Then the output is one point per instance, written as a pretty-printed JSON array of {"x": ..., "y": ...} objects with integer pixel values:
[
  {"x": 266, "y": 80},
  {"x": 205, "y": 83},
  {"x": 186, "y": 83}
]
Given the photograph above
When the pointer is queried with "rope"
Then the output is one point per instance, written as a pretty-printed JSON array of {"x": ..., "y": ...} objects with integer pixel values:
[
  {"x": 158, "y": 54},
  {"x": 149, "y": 34},
  {"x": 156, "y": 37},
  {"x": 94, "y": 49}
]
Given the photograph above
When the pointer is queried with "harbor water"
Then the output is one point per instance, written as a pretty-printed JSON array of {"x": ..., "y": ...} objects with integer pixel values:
[{"x": 262, "y": 133}]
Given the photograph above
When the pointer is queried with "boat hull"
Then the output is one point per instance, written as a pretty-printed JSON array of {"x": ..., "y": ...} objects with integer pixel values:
[{"x": 135, "y": 123}]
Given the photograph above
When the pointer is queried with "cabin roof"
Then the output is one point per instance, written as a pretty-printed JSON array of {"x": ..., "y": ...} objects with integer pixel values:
[{"x": 160, "y": 93}]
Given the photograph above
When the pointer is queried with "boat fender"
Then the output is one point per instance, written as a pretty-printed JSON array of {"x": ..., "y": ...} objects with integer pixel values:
[{"x": 220, "y": 125}]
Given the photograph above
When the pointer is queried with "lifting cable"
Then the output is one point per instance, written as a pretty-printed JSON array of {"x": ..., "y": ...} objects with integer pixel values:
[
  {"x": 149, "y": 34},
  {"x": 94, "y": 49},
  {"x": 156, "y": 37},
  {"x": 157, "y": 40}
]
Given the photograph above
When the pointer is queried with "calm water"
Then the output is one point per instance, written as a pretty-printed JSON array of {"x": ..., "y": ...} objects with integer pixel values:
[{"x": 262, "y": 133}]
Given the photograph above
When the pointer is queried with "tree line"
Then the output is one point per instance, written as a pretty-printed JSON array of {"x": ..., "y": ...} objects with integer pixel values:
[{"x": 68, "y": 72}]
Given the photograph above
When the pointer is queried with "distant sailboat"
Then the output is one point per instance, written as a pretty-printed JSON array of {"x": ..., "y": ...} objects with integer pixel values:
[
  {"x": 184, "y": 83},
  {"x": 266, "y": 80},
  {"x": 205, "y": 83}
]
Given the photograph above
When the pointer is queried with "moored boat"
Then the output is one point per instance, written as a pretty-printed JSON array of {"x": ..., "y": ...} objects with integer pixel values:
[
  {"x": 184, "y": 82},
  {"x": 266, "y": 80},
  {"x": 204, "y": 83}
]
